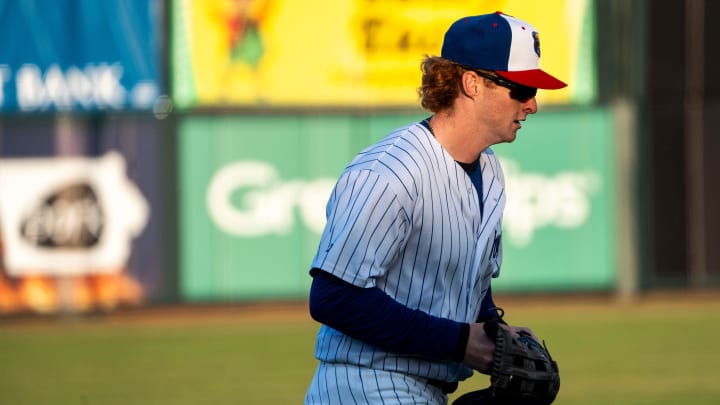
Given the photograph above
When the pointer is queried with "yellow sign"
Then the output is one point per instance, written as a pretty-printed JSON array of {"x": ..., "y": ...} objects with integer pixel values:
[{"x": 349, "y": 53}]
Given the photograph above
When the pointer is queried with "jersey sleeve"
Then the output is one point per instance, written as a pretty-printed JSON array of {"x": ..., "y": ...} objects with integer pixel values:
[{"x": 365, "y": 229}]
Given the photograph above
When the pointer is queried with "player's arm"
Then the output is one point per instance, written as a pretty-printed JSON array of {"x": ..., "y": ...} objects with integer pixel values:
[
  {"x": 489, "y": 311},
  {"x": 479, "y": 349},
  {"x": 370, "y": 315}
]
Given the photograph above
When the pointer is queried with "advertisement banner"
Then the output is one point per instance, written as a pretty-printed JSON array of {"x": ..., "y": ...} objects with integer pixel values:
[
  {"x": 252, "y": 198},
  {"x": 350, "y": 52},
  {"x": 559, "y": 223},
  {"x": 85, "y": 214},
  {"x": 68, "y": 216},
  {"x": 254, "y": 189},
  {"x": 80, "y": 55}
]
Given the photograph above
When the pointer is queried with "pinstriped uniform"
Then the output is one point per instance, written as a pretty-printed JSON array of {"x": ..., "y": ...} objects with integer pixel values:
[{"x": 405, "y": 217}]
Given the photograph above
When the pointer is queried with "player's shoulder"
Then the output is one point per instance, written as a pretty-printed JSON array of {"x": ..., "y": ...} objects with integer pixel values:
[
  {"x": 396, "y": 150},
  {"x": 400, "y": 145},
  {"x": 396, "y": 159},
  {"x": 411, "y": 134}
]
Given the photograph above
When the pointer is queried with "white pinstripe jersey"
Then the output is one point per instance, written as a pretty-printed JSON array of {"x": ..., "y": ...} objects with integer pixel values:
[{"x": 405, "y": 217}]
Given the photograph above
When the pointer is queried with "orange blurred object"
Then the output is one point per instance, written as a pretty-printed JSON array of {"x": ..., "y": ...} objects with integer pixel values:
[
  {"x": 37, "y": 293},
  {"x": 9, "y": 301}
]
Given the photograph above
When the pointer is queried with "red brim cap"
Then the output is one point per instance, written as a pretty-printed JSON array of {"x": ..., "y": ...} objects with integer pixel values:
[
  {"x": 501, "y": 43},
  {"x": 533, "y": 78}
]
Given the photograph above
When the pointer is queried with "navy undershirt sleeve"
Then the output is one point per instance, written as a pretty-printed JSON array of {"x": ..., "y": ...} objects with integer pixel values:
[
  {"x": 488, "y": 310},
  {"x": 370, "y": 315}
]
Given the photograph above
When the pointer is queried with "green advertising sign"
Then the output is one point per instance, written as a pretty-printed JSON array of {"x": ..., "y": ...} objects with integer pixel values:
[
  {"x": 253, "y": 193},
  {"x": 559, "y": 222}
]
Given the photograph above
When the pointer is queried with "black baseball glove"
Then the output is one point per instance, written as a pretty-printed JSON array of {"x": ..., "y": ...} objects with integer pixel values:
[{"x": 523, "y": 372}]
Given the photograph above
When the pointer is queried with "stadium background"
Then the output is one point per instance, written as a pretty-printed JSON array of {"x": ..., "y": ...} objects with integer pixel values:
[
  {"x": 173, "y": 152},
  {"x": 164, "y": 166}
]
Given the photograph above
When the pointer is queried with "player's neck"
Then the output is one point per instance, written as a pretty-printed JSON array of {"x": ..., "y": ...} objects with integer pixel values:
[{"x": 459, "y": 139}]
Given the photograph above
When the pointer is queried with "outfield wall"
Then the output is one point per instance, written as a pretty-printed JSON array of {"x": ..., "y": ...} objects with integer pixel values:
[
  {"x": 182, "y": 151},
  {"x": 231, "y": 207},
  {"x": 253, "y": 191}
]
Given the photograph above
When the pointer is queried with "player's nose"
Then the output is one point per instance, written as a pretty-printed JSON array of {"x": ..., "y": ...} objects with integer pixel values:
[{"x": 530, "y": 106}]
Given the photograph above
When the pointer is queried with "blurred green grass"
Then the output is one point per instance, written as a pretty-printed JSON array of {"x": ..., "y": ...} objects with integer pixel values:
[{"x": 659, "y": 353}]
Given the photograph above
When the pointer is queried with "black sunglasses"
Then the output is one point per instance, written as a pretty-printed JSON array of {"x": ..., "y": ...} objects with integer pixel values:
[{"x": 518, "y": 91}]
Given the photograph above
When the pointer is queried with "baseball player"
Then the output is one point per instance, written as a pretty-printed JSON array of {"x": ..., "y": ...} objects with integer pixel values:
[{"x": 402, "y": 275}]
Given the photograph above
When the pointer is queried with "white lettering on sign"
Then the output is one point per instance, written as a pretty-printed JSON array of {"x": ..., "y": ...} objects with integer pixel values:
[
  {"x": 249, "y": 199},
  {"x": 94, "y": 86},
  {"x": 536, "y": 200}
]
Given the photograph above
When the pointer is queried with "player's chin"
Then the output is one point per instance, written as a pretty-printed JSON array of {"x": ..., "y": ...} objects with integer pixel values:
[{"x": 511, "y": 136}]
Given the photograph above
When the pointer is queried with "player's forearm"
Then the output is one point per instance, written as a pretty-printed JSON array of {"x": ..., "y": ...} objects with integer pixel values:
[{"x": 370, "y": 315}]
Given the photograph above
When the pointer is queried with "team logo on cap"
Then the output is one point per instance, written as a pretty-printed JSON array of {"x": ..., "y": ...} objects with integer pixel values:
[{"x": 536, "y": 38}]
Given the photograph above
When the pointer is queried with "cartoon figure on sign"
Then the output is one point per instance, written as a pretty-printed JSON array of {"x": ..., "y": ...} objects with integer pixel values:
[
  {"x": 243, "y": 24},
  {"x": 231, "y": 47},
  {"x": 239, "y": 24}
]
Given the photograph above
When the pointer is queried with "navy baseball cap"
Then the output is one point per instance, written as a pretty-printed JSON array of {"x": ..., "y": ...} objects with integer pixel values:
[{"x": 501, "y": 43}]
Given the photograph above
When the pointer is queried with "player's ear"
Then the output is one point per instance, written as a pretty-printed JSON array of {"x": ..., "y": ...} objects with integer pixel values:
[{"x": 469, "y": 83}]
